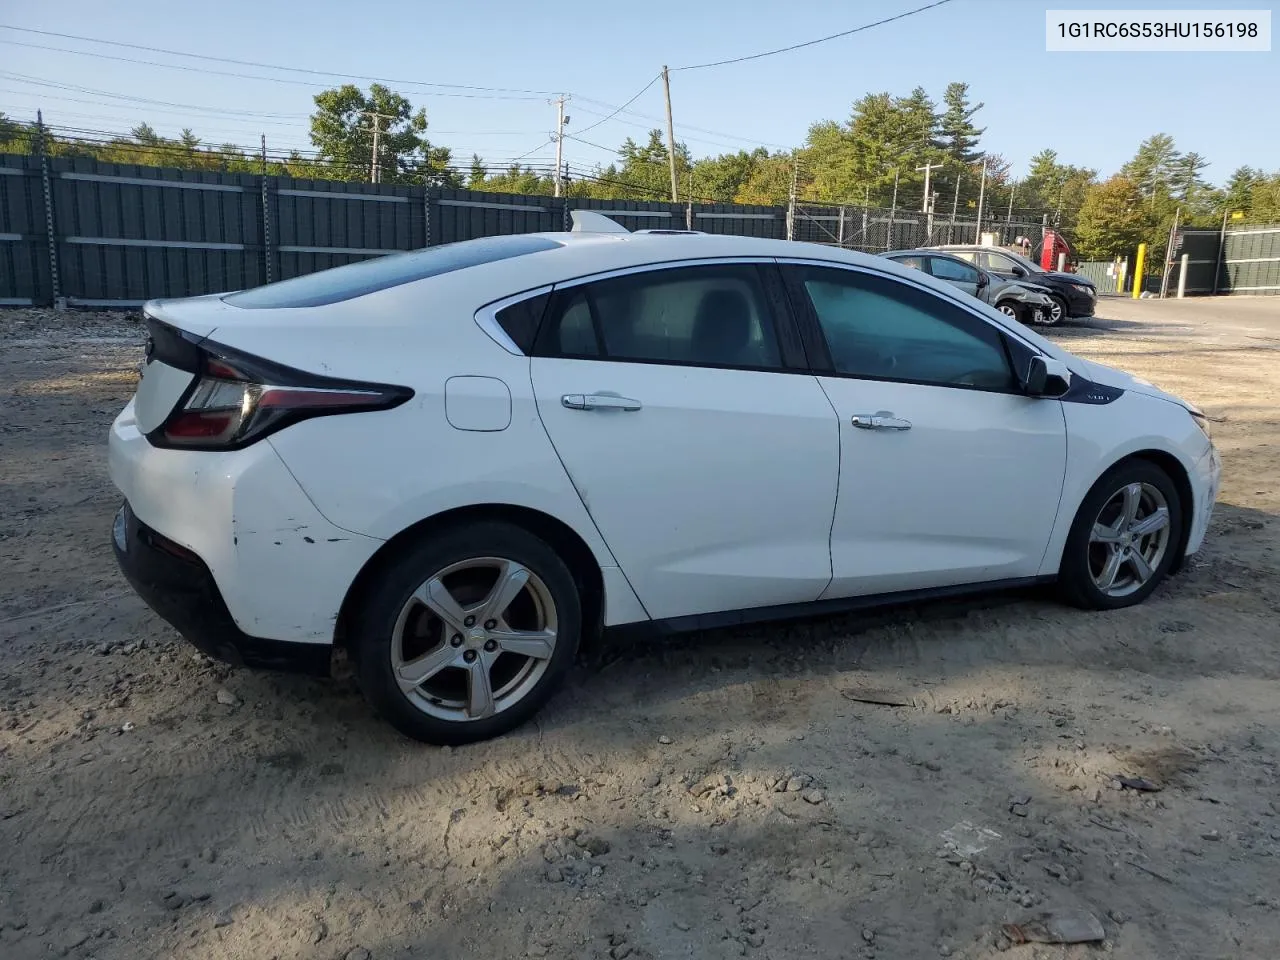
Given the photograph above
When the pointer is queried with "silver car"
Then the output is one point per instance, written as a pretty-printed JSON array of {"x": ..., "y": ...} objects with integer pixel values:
[{"x": 1025, "y": 302}]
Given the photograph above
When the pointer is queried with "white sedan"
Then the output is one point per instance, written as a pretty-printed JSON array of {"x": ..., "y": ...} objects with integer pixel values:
[{"x": 462, "y": 464}]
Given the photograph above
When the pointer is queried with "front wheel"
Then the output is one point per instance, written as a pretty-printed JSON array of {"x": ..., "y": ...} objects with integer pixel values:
[
  {"x": 1056, "y": 311},
  {"x": 466, "y": 634},
  {"x": 1124, "y": 537}
]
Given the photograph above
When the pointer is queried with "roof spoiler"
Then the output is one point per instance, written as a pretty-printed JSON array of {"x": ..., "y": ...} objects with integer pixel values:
[{"x": 586, "y": 221}]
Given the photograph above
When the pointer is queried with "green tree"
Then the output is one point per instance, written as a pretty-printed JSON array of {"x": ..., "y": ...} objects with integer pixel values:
[
  {"x": 1264, "y": 200},
  {"x": 1239, "y": 190},
  {"x": 342, "y": 133},
  {"x": 1056, "y": 188},
  {"x": 515, "y": 179},
  {"x": 644, "y": 172},
  {"x": 10, "y": 133},
  {"x": 1185, "y": 178},
  {"x": 1152, "y": 167},
  {"x": 769, "y": 181},
  {"x": 957, "y": 133},
  {"x": 1113, "y": 220},
  {"x": 721, "y": 178}
]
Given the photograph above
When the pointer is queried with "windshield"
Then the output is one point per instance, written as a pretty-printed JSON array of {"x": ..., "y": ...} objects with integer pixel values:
[{"x": 1024, "y": 262}]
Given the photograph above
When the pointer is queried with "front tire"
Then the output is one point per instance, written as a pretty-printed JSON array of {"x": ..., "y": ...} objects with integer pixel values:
[
  {"x": 1124, "y": 537},
  {"x": 1057, "y": 312},
  {"x": 466, "y": 634}
]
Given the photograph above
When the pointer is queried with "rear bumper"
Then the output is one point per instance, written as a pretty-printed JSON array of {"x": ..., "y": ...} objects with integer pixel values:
[
  {"x": 280, "y": 569},
  {"x": 178, "y": 586}
]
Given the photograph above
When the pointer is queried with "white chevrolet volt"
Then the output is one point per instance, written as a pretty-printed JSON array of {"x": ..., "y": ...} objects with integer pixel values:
[{"x": 464, "y": 463}]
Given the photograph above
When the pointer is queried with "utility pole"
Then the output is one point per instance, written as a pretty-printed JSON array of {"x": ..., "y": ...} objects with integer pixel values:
[
  {"x": 927, "y": 168},
  {"x": 982, "y": 195},
  {"x": 955, "y": 205},
  {"x": 1012, "y": 190},
  {"x": 893, "y": 209},
  {"x": 375, "y": 170},
  {"x": 671, "y": 134},
  {"x": 927, "y": 208},
  {"x": 791, "y": 203},
  {"x": 558, "y": 137}
]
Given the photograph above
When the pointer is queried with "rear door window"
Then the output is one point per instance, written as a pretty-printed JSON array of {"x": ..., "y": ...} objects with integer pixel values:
[{"x": 716, "y": 316}]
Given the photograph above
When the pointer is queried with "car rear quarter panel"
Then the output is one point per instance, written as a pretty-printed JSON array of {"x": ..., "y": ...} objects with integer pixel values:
[
  {"x": 1101, "y": 435},
  {"x": 377, "y": 474},
  {"x": 281, "y": 568}
]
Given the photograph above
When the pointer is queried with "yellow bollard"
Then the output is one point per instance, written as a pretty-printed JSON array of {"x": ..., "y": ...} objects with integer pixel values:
[{"x": 1137, "y": 270}]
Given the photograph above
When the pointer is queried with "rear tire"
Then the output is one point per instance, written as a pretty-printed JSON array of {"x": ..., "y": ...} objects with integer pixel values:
[
  {"x": 466, "y": 634},
  {"x": 1124, "y": 538}
]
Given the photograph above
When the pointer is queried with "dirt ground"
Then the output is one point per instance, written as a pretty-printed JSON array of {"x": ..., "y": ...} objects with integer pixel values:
[{"x": 719, "y": 795}]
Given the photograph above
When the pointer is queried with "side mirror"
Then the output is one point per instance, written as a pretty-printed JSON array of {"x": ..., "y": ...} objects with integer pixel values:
[
  {"x": 1019, "y": 271},
  {"x": 984, "y": 279},
  {"x": 1046, "y": 377}
]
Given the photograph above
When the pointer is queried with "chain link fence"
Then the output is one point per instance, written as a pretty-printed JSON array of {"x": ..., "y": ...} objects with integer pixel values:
[{"x": 877, "y": 229}]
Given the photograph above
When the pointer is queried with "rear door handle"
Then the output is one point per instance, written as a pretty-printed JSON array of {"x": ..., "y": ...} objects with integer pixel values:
[
  {"x": 883, "y": 420},
  {"x": 599, "y": 401}
]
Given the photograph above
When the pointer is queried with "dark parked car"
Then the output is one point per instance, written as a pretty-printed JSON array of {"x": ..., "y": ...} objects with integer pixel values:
[
  {"x": 1024, "y": 301},
  {"x": 1073, "y": 295}
]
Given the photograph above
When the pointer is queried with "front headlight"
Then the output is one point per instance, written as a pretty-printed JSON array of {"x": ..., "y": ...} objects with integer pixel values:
[
  {"x": 1202, "y": 422},
  {"x": 1081, "y": 288}
]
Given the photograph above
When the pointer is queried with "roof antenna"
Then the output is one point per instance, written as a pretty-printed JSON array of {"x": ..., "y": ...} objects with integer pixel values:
[{"x": 585, "y": 221}]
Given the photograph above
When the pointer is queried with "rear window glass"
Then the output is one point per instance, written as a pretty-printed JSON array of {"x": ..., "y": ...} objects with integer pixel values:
[{"x": 370, "y": 276}]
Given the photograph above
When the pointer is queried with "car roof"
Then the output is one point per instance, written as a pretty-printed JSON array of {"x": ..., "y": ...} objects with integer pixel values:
[
  {"x": 582, "y": 254},
  {"x": 924, "y": 251}
]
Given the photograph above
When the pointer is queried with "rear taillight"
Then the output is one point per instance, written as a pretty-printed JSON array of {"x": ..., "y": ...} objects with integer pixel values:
[{"x": 237, "y": 399}]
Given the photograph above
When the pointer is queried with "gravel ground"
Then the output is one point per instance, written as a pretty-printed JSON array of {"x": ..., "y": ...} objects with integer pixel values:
[{"x": 720, "y": 795}]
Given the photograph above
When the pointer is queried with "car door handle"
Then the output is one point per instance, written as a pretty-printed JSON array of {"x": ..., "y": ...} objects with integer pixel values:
[
  {"x": 884, "y": 420},
  {"x": 599, "y": 401}
]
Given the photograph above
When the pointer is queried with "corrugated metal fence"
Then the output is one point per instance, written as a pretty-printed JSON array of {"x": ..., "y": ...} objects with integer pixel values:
[
  {"x": 100, "y": 234},
  {"x": 1247, "y": 263}
]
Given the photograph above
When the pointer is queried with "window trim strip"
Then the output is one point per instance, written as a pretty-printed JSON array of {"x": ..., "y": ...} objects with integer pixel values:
[{"x": 487, "y": 318}]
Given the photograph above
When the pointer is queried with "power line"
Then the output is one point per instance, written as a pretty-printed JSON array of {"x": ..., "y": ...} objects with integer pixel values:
[
  {"x": 810, "y": 43},
  {"x": 247, "y": 76},
  {"x": 571, "y": 136},
  {"x": 723, "y": 144},
  {"x": 74, "y": 88},
  {"x": 534, "y": 150},
  {"x": 624, "y": 106},
  {"x": 268, "y": 66}
]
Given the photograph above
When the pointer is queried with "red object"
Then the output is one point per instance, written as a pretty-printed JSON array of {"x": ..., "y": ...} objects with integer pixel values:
[{"x": 1054, "y": 244}]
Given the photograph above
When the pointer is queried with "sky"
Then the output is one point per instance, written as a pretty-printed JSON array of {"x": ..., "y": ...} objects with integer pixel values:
[{"x": 1092, "y": 108}]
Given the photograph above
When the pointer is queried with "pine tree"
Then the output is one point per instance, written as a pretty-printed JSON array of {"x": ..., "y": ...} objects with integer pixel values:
[
  {"x": 957, "y": 133},
  {"x": 1152, "y": 167},
  {"x": 1240, "y": 186},
  {"x": 1185, "y": 176}
]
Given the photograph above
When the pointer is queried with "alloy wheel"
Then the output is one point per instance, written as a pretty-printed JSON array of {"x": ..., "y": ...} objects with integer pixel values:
[
  {"x": 1056, "y": 311},
  {"x": 1009, "y": 310},
  {"x": 1129, "y": 539},
  {"x": 474, "y": 639}
]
